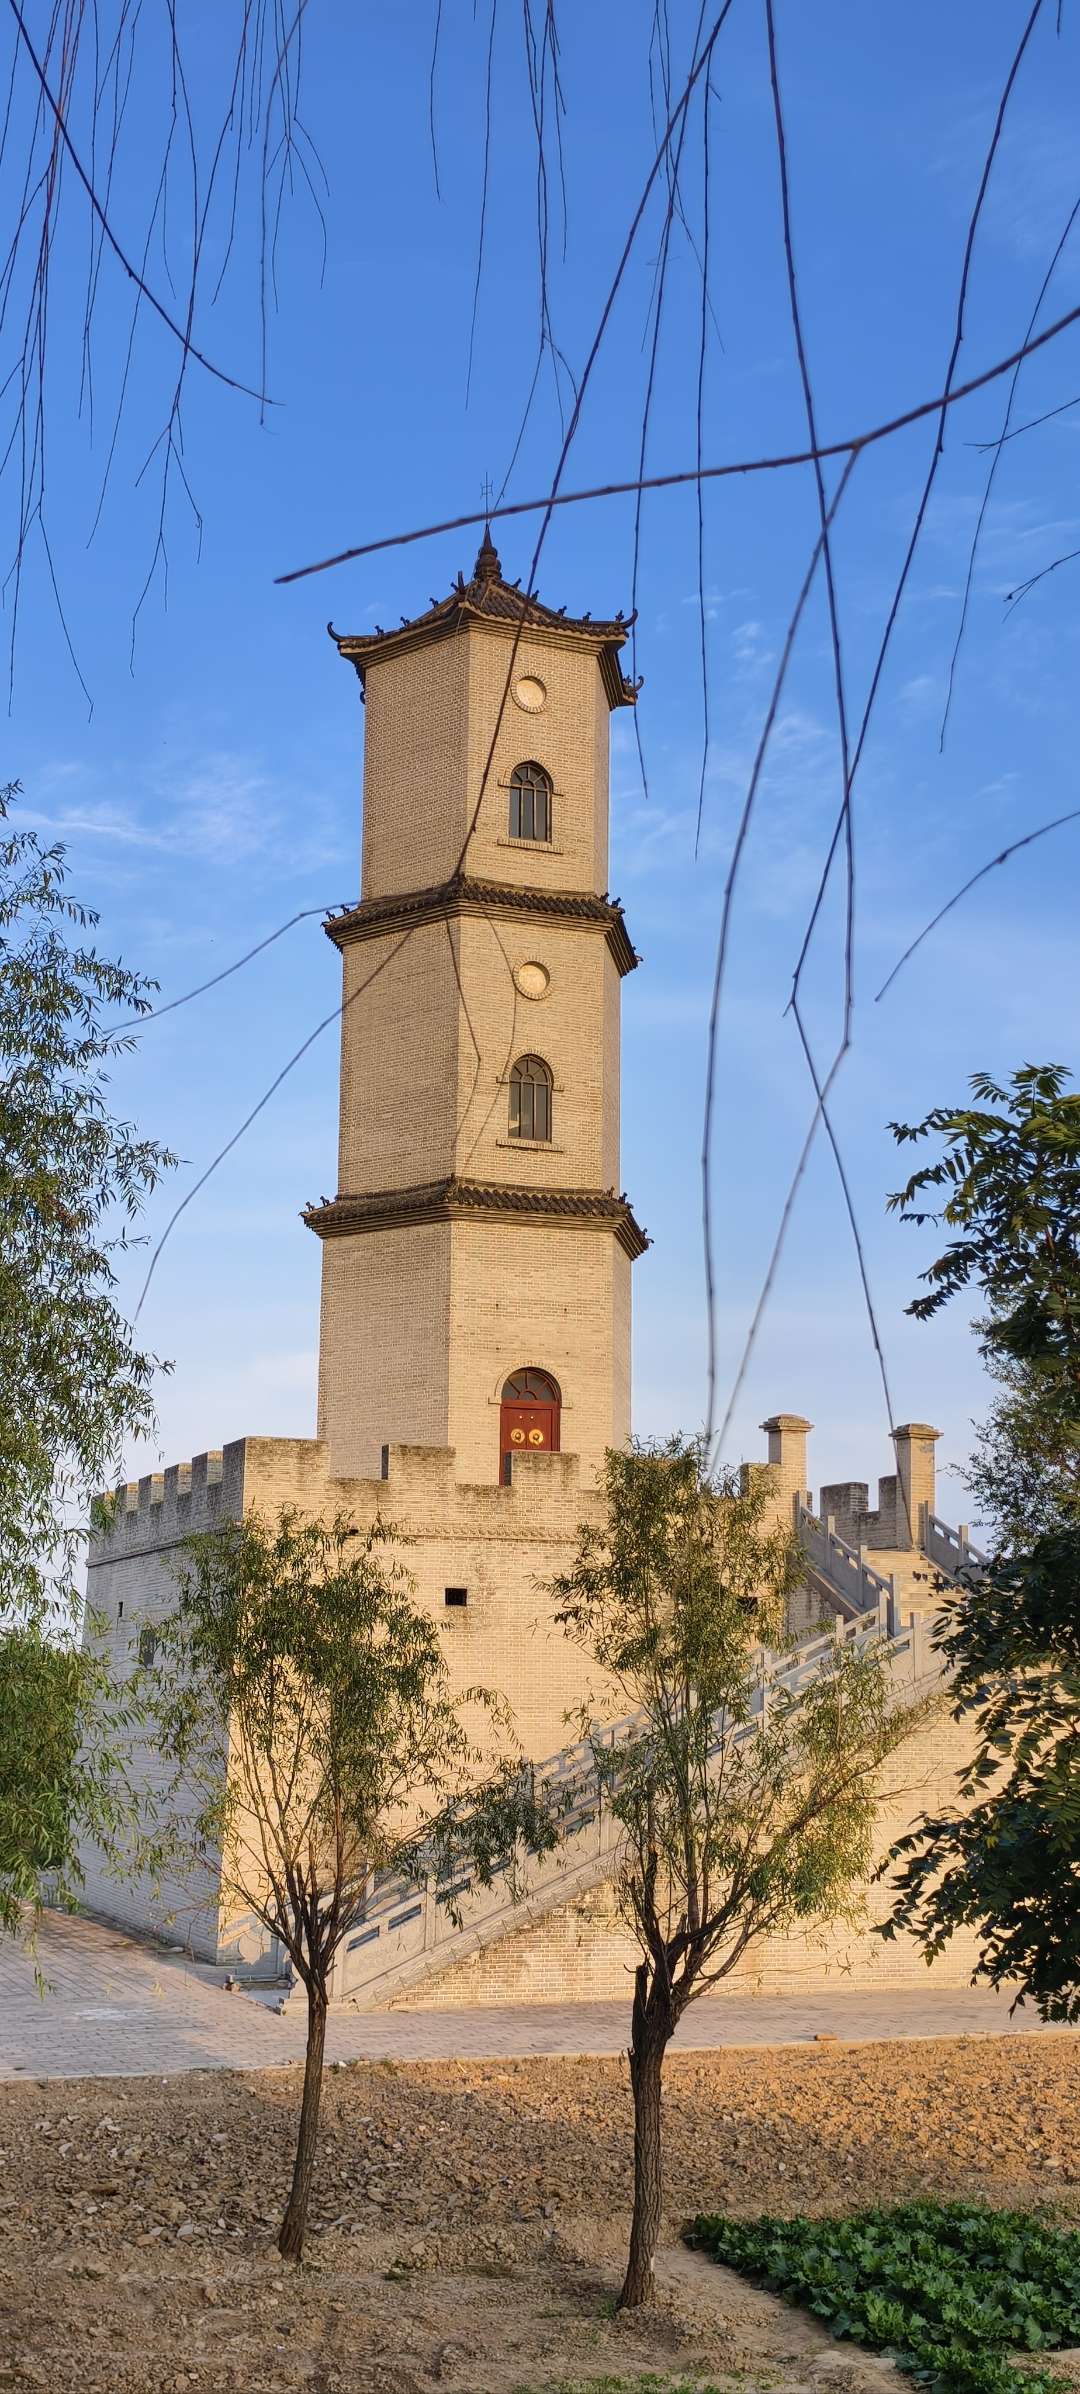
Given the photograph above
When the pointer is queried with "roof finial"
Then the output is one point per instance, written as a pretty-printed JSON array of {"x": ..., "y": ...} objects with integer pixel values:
[{"x": 487, "y": 567}]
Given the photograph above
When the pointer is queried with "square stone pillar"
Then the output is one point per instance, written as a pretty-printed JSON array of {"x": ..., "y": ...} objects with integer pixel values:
[
  {"x": 787, "y": 1457},
  {"x": 914, "y": 1442}
]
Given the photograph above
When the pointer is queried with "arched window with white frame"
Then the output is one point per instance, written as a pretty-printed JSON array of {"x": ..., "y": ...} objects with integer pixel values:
[
  {"x": 530, "y": 1099},
  {"x": 530, "y": 803}
]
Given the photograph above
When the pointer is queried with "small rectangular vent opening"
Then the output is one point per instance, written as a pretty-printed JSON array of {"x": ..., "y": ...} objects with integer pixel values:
[{"x": 455, "y": 1596}]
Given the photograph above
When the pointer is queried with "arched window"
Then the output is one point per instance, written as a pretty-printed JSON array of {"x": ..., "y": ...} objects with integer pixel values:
[
  {"x": 528, "y": 1418},
  {"x": 530, "y": 803},
  {"x": 530, "y": 1099}
]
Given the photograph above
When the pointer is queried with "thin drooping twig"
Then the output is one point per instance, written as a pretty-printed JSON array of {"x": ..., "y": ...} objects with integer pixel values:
[
  {"x": 64, "y": 68},
  {"x": 541, "y": 68},
  {"x": 950, "y": 395},
  {"x": 700, "y": 431},
  {"x": 821, "y": 1088},
  {"x": 725, "y": 933},
  {"x": 155, "y": 1013},
  {"x": 995, "y": 461},
  {"x": 1013, "y": 597},
  {"x": 542, "y": 73},
  {"x": 821, "y": 1092},
  {"x": 108, "y": 235},
  {"x": 289, "y": 152},
  {"x": 431, "y": 96},
  {"x": 744, "y": 465},
  {"x": 674, "y": 162},
  {"x": 482, "y": 227},
  {"x": 264, "y": 1100},
  {"x": 675, "y": 120},
  {"x": 1029, "y": 836},
  {"x": 766, "y": 1288},
  {"x": 1018, "y": 430},
  {"x": 337, "y": 1013},
  {"x": 699, "y": 68},
  {"x": 826, "y": 545},
  {"x": 924, "y": 499},
  {"x": 1024, "y": 350}
]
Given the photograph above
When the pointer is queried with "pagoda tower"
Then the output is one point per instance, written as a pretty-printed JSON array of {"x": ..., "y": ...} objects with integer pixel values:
[
  {"x": 475, "y": 1330},
  {"x": 476, "y": 1259}
]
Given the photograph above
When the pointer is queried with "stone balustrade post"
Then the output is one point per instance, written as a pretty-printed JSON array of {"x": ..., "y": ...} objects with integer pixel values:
[
  {"x": 914, "y": 1442},
  {"x": 787, "y": 1434}
]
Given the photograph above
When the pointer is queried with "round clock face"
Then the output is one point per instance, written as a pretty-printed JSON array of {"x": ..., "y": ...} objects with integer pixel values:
[
  {"x": 530, "y": 693},
  {"x": 533, "y": 980}
]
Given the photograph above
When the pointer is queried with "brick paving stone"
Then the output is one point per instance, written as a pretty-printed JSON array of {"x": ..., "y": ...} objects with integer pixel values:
[{"x": 116, "y": 2007}]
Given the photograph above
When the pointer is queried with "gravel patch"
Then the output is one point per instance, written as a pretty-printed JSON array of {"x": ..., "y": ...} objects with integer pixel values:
[{"x": 470, "y": 2218}]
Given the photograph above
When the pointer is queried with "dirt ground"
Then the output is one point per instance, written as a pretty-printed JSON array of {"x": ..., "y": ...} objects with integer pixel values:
[{"x": 470, "y": 2219}]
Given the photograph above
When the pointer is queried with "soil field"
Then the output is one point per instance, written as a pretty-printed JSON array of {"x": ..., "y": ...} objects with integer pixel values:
[{"x": 470, "y": 2218}]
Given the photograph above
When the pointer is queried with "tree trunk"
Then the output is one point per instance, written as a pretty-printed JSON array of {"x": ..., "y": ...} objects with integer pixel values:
[
  {"x": 652, "y": 2029},
  {"x": 294, "y": 2224}
]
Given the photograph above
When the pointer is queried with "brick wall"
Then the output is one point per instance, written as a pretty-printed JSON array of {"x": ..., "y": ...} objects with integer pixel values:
[
  {"x": 584, "y": 1952},
  {"x": 504, "y": 1545}
]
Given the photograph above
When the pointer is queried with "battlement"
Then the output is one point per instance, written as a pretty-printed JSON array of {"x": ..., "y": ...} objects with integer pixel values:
[
  {"x": 418, "y": 1492},
  {"x": 166, "y": 1506},
  {"x": 893, "y": 1524}
]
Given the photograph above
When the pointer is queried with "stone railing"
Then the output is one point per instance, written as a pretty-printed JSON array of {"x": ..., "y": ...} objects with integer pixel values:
[
  {"x": 836, "y": 1570},
  {"x": 950, "y": 1549},
  {"x": 409, "y": 1932},
  {"x": 841, "y": 1573}
]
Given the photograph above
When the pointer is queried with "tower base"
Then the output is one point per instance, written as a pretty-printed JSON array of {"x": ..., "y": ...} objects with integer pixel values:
[{"x": 481, "y": 1559}]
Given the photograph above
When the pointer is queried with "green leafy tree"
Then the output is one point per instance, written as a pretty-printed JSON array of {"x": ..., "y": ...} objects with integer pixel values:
[
  {"x": 304, "y": 1705},
  {"x": 73, "y": 1384},
  {"x": 1005, "y": 1859},
  {"x": 744, "y": 1805},
  {"x": 1009, "y": 1177},
  {"x": 66, "y": 1729},
  {"x": 1011, "y": 1170},
  {"x": 1024, "y": 1472}
]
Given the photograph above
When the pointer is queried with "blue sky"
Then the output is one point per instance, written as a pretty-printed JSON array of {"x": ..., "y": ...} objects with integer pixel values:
[{"x": 213, "y": 788}]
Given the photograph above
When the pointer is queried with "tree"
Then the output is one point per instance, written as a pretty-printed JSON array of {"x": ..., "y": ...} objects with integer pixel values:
[
  {"x": 1024, "y": 1473},
  {"x": 73, "y": 1385},
  {"x": 744, "y": 1806},
  {"x": 65, "y": 1735},
  {"x": 1005, "y": 1860},
  {"x": 1010, "y": 1171},
  {"x": 304, "y": 1706}
]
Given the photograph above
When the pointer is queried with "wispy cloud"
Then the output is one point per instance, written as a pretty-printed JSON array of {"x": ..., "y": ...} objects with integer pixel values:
[{"x": 220, "y": 808}]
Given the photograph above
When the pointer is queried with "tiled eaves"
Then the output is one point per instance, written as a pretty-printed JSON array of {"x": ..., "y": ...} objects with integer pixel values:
[
  {"x": 463, "y": 894},
  {"x": 501, "y": 615},
  {"x": 453, "y": 1200}
]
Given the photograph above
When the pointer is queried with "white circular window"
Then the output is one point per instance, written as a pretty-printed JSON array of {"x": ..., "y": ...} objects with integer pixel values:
[
  {"x": 533, "y": 980},
  {"x": 530, "y": 693}
]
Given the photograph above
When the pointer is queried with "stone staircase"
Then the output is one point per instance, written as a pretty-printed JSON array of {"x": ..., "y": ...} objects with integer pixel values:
[
  {"x": 408, "y": 1934},
  {"x": 843, "y": 1579}
]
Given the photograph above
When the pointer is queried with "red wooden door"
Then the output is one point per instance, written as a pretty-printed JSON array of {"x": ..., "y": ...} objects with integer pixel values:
[{"x": 529, "y": 1418}]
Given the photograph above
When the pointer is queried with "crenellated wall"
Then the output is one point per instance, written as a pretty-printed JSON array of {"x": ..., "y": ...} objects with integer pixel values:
[{"x": 503, "y": 1545}]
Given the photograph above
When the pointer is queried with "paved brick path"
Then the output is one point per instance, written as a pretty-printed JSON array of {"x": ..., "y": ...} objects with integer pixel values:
[{"x": 117, "y": 2008}]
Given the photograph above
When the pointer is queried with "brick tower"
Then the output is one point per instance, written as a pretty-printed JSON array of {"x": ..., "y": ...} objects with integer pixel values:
[
  {"x": 476, "y": 1262},
  {"x": 475, "y": 1337}
]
